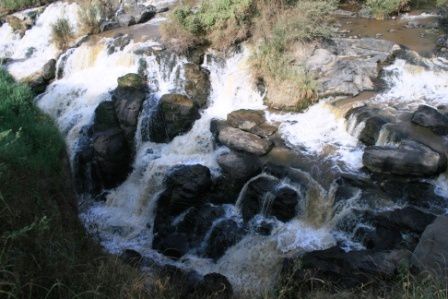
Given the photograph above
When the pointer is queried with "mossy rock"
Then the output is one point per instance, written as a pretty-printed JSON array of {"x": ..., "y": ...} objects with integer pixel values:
[{"x": 131, "y": 81}]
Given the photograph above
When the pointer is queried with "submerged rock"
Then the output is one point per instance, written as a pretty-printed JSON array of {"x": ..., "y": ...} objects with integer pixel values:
[
  {"x": 432, "y": 119},
  {"x": 408, "y": 159}
]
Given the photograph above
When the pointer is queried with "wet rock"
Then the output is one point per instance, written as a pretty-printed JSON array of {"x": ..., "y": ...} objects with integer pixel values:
[
  {"x": 400, "y": 228},
  {"x": 119, "y": 42},
  {"x": 432, "y": 119},
  {"x": 431, "y": 253},
  {"x": 175, "y": 115},
  {"x": 214, "y": 286},
  {"x": 109, "y": 25},
  {"x": 224, "y": 235},
  {"x": 173, "y": 246},
  {"x": 197, "y": 222},
  {"x": 285, "y": 204},
  {"x": 131, "y": 257},
  {"x": 216, "y": 125},
  {"x": 186, "y": 184},
  {"x": 197, "y": 83},
  {"x": 246, "y": 120},
  {"x": 347, "y": 66},
  {"x": 347, "y": 269},
  {"x": 128, "y": 98},
  {"x": 408, "y": 159},
  {"x": 112, "y": 155},
  {"x": 239, "y": 166},
  {"x": 133, "y": 12},
  {"x": 264, "y": 130},
  {"x": 373, "y": 118},
  {"x": 126, "y": 20},
  {"x": 256, "y": 191},
  {"x": 40, "y": 80},
  {"x": 244, "y": 141}
]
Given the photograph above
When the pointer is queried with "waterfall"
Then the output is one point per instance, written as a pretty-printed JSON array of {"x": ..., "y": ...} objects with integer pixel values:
[{"x": 31, "y": 52}]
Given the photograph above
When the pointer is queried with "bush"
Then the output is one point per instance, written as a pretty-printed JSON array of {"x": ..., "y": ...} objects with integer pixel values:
[
  {"x": 61, "y": 33},
  {"x": 91, "y": 14},
  {"x": 383, "y": 8},
  {"x": 15, "y": 5}
]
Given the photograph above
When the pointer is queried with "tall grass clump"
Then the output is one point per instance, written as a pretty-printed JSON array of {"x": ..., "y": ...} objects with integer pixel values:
[
  {"x": 380, "y": 9},
  {"x": 62, "y": 33},
  {"x": 91, "y": 14},
  {"x": 277, "y": 39}
]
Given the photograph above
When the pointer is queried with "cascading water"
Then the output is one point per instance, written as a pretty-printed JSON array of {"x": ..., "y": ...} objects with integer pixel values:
[
  {"x": 28, "y": 54},
  {"x": 85, "y": 77}
]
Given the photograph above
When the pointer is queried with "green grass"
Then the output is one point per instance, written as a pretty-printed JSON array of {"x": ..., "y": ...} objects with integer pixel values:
[
  {"x": 44, "y": 251},
  {"x": 383, "y": 8},
  {"x": 15, "y": 5},
  {"x": 61, "y": 33}
]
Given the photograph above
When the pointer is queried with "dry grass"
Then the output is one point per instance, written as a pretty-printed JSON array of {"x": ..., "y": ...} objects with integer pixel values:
[{"x": 62, "y": 33}]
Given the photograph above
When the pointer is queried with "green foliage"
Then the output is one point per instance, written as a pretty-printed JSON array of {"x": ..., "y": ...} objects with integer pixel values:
[
  {"x": 61, "y": 33},
  {"x": 14, "y": 5},
  {"x": 383, "y": 8},
  {"x": 45, "y": 252}
]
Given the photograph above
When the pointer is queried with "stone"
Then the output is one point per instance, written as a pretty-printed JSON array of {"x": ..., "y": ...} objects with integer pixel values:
[
  {"x": 224, "y": 235},
  {"x": 173, "y": 246},
  {"x": 431, "y": 253},
  {"x": 197, "y": 83},
  {"x": 246, "y": 119},
  {"x": 126, "y": 20},
  {"x": 409, "y": 159},
  {"x": 175, "y": 116},
  {"x": 239, "y": 166},
  {"x": 244, "y": 141},
  {"x": 214, "y": 286},
  {"x": 347, "y": 269},
  {"x": 432, "y": 119},
  {"x": 131, "y": 80}
]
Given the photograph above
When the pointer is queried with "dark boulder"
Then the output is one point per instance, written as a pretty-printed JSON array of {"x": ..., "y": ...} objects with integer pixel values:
[
  {"x": 408, "y": 159},
  {"x": 432, "y": 119},
  {"x": 213, "y": 286},
  {"x": 197, "y": 83},
  {"x": 257, "y": 191},
  {"x": 239, "y": 167},
  {"x": 174, "y": 245},
  {"x": 431, "y": 253},
  {"x": 285, "y": 204},
  {"x": 347, "y": 269},
  {"x": 224, "y": 235},
  {"x": 175, "y": 115},
  {"x": 128, "y": 98},
  {"x": 131, "y": 257},
  {"x": 112, "y": 155}
]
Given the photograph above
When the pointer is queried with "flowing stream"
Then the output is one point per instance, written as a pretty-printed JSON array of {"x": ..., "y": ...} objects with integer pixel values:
[{"x": 86, "y": 76}]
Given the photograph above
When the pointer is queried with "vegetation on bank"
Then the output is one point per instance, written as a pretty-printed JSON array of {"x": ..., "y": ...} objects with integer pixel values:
[
  {"x": 16, "y": 5},
  {"x": 45, "y": 252}
]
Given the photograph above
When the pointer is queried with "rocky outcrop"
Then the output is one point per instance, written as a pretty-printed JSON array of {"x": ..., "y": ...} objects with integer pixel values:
[
  {"x": 134, "y": 12},
  {"x": 346, "y": 269},
  {"x": 128, "y": 98},
  {"x": 432, "y": 119},
  {"x": 175, "y": 115},
  {"x": 346, "y": 66},
  {"x": 112, "y": 154},
  {"x": 431, "y": 253},
  {"x": 197, "y": 83},
  {"x": 408, "y": 159}
]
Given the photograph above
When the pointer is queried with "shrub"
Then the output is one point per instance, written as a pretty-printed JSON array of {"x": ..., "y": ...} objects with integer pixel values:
[
  {"x": 15, "y": 5},
  {"x": 383, "y": 8},
  {"x": 91, "y": 14},
  {"x": 62, "y": 33}
]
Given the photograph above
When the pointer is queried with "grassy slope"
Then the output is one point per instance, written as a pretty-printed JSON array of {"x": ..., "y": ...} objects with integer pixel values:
[{"x": 44, "y": 250}]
